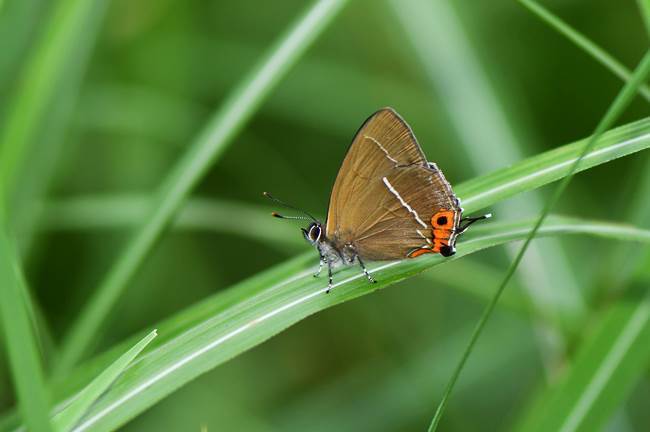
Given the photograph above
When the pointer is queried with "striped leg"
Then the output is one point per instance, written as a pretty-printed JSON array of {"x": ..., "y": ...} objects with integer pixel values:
[
  {"x": 365, "y": 270},
  {"x": 320, "y": 264},
  {"x": 329, "y": 274}
]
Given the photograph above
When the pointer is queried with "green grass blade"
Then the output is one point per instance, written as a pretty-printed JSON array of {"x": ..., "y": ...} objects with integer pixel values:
[
  {"x": 549, "y": 166},
  {"x": 92, "y": 213},
  {"x": 595, "y": 51},
  {"x": 95, "y": 213},
  {"x": 71, "y": 414},
  {"x": 38, "y": 84},
  {"x": 44, "y": 72},
  {"x": 526, "y": 175},
  {"x": 621, "y": 102},
  {"x": 256, "y": 309},
  {"x": 123, "y": 211},
  {"x": 607, "y": 365},
  {"x": 208, "y": 146},
  {"x": 21, "y": 341},
  {"x": 622, "y": 260}
]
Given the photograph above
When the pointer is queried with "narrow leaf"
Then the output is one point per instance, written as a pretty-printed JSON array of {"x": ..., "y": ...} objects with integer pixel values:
[
  {"x": 595, "y": 51},
  {"x": 38, "y": 83},
  {"x": 552, "y": 165},
  {"x": 21, "y": 342},
  {"x": 608, "y": 364},
  {"x": 249, "y": 313},
  {"x": 71, "y": 414},
  {"x": 528, "y": 174}
]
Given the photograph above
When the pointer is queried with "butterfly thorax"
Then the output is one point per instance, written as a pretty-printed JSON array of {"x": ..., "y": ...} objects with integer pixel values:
[{"x": 333, "y": 251}]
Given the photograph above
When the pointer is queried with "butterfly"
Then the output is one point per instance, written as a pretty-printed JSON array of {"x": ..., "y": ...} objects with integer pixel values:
[{"x": 388, "y": 202}]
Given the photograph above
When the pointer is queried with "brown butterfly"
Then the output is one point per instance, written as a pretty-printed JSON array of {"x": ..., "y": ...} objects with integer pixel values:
[{"x": 388, "y": 201}]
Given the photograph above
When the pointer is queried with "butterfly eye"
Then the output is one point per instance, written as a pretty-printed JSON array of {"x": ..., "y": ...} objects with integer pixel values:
[{"x": 314, "y": 233}]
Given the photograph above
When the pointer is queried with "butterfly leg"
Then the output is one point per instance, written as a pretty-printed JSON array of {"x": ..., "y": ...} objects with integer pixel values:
[
  {"x": 320, "y": 264},
  {"x": 365, "y": 270},
  {"x": 329, "y": 274}
]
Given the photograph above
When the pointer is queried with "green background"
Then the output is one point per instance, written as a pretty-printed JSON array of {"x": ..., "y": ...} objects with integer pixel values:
[{"x": 157, "y": 72}]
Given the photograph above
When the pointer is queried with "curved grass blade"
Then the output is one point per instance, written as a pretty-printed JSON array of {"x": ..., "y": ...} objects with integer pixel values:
[
  {"x": 552, "y": 165},
  {"x": 595, "y": 51},
  {"x": 70, "y": 415},
  {"x": 208, "y": 146},
  {"x": 231, "y": 322},
  {"x": 21, "y": 342},
  {"x": 528, "y": 174},
  {"x": 619, "y": 104}
]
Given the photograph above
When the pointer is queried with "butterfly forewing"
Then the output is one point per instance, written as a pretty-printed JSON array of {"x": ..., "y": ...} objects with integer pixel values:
[{"x": 386, "y": 192}]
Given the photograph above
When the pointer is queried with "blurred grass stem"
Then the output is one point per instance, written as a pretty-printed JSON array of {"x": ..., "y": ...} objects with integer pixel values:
[{"x": 210, "y": 144}]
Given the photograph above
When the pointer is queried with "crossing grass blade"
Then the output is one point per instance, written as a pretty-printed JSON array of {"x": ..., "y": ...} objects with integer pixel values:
[
  {"x": 199, "y": 328},
  {"x": 609, "y": 362},
  {"x": 252, "y": 311},
  {"x": 619, "y": 104},
  {"x": 70, "y": 415},
  {"x": 549, "y": 166},
  {"x": 192, "y": 166},
  {"x": 589, "y": 47}
]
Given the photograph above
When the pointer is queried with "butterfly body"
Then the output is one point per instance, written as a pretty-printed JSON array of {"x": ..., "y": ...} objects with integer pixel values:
[{"x": 388, "y": 202}]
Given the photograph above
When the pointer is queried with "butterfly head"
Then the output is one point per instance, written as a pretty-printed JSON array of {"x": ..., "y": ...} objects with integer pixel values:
[{"x": 313, "y": 233}]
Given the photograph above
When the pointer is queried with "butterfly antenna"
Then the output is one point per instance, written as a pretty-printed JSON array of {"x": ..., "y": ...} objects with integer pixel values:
[
  {"x": 279, "y": 216},
  {"x": 470, "y": 220},
  {"x": 284, "y": 204}
]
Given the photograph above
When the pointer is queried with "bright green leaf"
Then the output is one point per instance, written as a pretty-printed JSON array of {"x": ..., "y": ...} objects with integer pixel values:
[
  {"x": 70, "y": 415},
  {"x": 21, "y": 342},
  {"x": 256, "y": 309}
]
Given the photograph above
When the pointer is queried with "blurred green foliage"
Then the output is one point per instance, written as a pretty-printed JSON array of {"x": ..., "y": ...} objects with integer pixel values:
[{"x": 157, "y": 72}]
